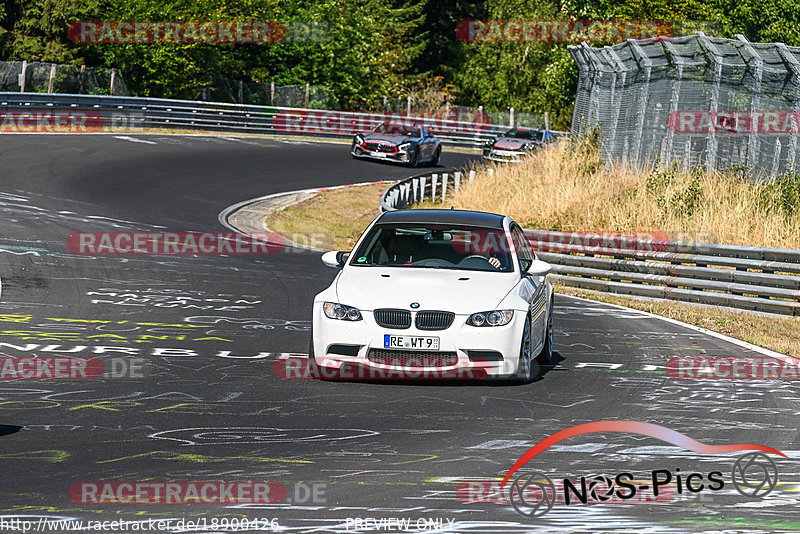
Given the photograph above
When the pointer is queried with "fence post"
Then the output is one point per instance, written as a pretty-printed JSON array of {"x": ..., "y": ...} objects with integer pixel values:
[
  {"x": 666, "y": 149},
  {"x": 457, "y": 181},
  {"x": 241, "y": 92},
  {"x": 711, "y": 154},
  {"x": 415, "y": 185},
  {"x": 111, "y": 84},
  {"x": 422, "y": 181},
  {"x": 644, "y": 94},
  {"x": 22, "y": 76},
  {"x": 511, "y": 117},
  {"x": 80, "y": 79},
  {"x": 306, "y": 98},
  {"x": 593, "y": 115},
  {"x": 471, "y": 176},
  {"x": 547, "y": 120},
  {"x": 408, "y": 107},
  {"x": 584, "y": 90},
  {"x": 755, "y": 101},
  {"x": 434, "y": 177},
  {"x": 794, "y": 66},
  {"x": 52, "y": 82},
  {"x": 776, "y": 159},
  {"x": 444, "y": 186},
  {"x": 618, "y": 67}
]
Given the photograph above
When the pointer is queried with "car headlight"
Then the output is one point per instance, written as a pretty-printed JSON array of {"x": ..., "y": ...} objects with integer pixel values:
[
  {"x": 490, "y": 142},
  {"x": 404, "y": 147},
  {"x": 334, "y": 310},
  {"x": 359, "y": 140},
  {"x": 491, "y": 318},
  {"x": 528, "y": 146}
]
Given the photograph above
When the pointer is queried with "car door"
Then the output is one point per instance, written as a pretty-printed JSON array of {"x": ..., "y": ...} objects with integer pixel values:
[
  {"x": 536, "y": 288},
  {"x": 425, "y": 144}
]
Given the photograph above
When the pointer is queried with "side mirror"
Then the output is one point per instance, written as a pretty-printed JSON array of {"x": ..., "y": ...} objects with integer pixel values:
[
  {"x": 538, "y": 268},
  {"x": 335, "y": 258}
]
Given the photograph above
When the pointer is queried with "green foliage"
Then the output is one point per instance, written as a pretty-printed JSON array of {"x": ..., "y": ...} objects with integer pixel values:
[
  {"x": 373, "y": 48},
  {"x": 671, "y": 196},
  {"x": 782, "y": 195},
  {"x": 37, "y": 29}
]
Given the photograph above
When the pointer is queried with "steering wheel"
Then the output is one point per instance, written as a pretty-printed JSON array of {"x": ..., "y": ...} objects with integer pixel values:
[
  {"x": 435, "y": 262},
  {"x": 473, "y": 256}
]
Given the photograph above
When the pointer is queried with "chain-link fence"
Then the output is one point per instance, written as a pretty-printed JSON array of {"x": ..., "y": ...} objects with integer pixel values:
[
  {"x": 268, "y": 94},
  {"x": 53, "y": 78},
  {"x": 695, "y": 101}
]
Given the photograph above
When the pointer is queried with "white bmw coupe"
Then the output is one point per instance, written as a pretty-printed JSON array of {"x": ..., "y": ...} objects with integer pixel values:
[{"x": 436, "y": 294}]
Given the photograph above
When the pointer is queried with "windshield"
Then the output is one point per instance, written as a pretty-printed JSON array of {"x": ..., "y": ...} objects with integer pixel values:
[
  {"x": 394, "y": 128},
  {"x": 435, "y": 246},
  {"x": 524, "y": 134}
]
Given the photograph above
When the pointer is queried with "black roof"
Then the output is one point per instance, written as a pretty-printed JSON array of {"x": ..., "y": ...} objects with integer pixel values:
[{"x": 455, "y": 217}]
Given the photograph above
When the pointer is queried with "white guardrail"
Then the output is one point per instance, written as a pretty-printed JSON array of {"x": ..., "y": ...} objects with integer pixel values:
[
  {"x": 751, "y": 278},
  {"x": 132, "y": 113}
]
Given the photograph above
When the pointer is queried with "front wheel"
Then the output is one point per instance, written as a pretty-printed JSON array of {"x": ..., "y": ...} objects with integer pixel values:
[
  {"x": 546, "y": 355},
  {"x": 437, "y": 157},
  {"x": 526, "y": 361},
  {"x": 413, "y": 157}
]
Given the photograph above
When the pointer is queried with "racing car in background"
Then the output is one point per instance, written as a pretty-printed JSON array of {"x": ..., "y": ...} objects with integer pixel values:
[
  {"x": 515, "y": 144},
  {"x": 389, "y": 141}
]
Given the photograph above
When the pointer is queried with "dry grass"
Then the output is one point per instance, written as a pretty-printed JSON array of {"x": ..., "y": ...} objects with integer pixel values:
[
  {"x": 781, "y": 334},
  {"x": 334, "y": 218},
  {"x": 564, "y": 189}
]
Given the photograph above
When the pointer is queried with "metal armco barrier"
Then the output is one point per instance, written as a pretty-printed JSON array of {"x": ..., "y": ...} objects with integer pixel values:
[
  {"x": 751, "y": 278},
  {"x": 133, "y": 113}
]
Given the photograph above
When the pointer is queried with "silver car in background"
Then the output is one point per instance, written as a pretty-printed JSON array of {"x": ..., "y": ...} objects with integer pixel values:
[
  {"x": 402, "y": 143},
  {"x": 515, "y": 144}
]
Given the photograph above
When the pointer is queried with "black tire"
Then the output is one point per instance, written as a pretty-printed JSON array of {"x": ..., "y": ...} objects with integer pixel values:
[
  {"x": 525, "y": 368},
  {"x": 413, "y": 159},
  {"x": 545, "y": 356},
  {"x": 437, "y": 156}
]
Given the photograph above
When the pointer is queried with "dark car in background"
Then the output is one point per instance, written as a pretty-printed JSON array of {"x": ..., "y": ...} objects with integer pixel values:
[
  {"x": 516, "y": 143},
  {"x": 390, "y": 141}
]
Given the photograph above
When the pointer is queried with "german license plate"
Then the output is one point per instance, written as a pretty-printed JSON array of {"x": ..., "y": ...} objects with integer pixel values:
[
  {"x": 377, "y": 154},
  {"x": 503, "y": 153},
  {"x": 410, "y": 342}
]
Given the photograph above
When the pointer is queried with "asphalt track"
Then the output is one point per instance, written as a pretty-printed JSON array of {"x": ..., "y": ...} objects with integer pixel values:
[{"x": 380, "y": 450}]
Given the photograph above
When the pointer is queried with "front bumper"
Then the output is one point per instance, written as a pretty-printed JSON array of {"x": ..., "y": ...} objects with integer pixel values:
[
  {"x": 349, "y": 349},
  {"x": 497, "y": 154},
  {"x": 399, "y": 156}
]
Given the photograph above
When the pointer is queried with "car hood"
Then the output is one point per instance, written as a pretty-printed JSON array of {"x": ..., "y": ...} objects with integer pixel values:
[
  {"x": 461, "y": 292},
  {"x": 511, "y": 143},
  {"x": 393, "y": 139}
]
